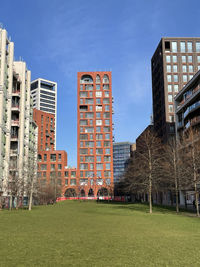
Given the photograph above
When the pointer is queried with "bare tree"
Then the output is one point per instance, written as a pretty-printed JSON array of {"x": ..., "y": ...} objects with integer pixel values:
[{"x": 191, "y": 150}]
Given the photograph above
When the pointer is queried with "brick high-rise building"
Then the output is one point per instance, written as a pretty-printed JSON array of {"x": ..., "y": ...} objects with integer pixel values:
[
  {"x": 173, "y": 64},
  {"x": 95, "y": 148},
  {"x": 46, "y": 130}
]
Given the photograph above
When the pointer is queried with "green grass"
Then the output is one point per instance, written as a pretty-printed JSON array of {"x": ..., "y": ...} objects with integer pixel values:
[{"x": 74, "y": 233}]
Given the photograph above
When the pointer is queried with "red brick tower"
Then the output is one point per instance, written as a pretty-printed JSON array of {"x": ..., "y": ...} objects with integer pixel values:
[{"x": 95, "y": 149}]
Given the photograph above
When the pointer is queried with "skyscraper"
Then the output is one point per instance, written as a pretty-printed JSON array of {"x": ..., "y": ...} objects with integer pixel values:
[
  {"x": 173, "y": 64},
  {"x": 95, "y": 149},
  {"x": 44, "y": 95}
]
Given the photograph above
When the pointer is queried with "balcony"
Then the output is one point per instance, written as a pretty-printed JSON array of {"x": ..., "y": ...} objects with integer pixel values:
[
  {"x": 14, "y": 137},
  {"x": 15, "y": 107},
  {"x": 13, "y": 152},
  {"x": 15, "y": 123},
  {"x": 16, "y": 93}
]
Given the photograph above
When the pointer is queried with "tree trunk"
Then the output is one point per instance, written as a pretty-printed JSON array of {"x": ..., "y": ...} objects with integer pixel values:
[
  {"x": 150, "y": 195},
  {"x": 196, "y": 198},
  {"x": 31, "y": 196},
  {"x": 10, "y": 203}
]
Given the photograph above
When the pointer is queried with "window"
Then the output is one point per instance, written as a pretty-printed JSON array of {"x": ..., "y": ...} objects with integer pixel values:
[
  {"x": 98, "y": 115},
  {"x": 106, "y": 87},
  {"x": 89, "y": 101},
  {"x": 170, "y": 108},
  {"x": 59, "y": 175},
  {"x": 171, "y": 118},
  {"x": 105, "y": 79},
  {"x": 98, "y": 108},
  {"x": 107, "y": 166},
  {"x": 98, "y": 100},
  {"x": 106, "y": 115},
  {"x": 91, "y": 166},
  {"x": 98, "y": 158},
  {"x": 108, "y": 182},
  {"x": 89, "y": 159},
  {"x": 107, "y": 150},
  {"x": 83, "y": 137},
  {"x": 73, "y": 174},
  {"x": 169, "y": 78},
  {"x": 169, "y": 88},
  {"x": 184, "y": 68},
  {"x": 184, "y": 78},
  {"x": 107, "y": 173},
  {"x": 53, "y": 157},
  {"x": 190, "y": 68},
  {"x": 106, "y": 100},
  {"x": 81, "y": 87},
  {"x": 198, "y": 47},
  {"x": 89, "y": 129},
  {"x": 84, "y": 166},
  {"x": 89, "y": 115},
  {"x": 99, "y": 166},
  {"x": 52, "y": 167},
  {"x": 99, "y": 136},
  {"x": 66, "y": 174},
  {"x": 91, "y": 136},
  {"x": 169, "y": 68},
  {"x": 66, "y": 181},
  {"x": 189, "y": 47},
  {"x": 44, "y": 174},
  {"x": 107, "y": 122},
  {"x": 83, "y": 151},
  {"x": 83, "y": 94},
  {"x": 170, "y": 98},
  {"x": 175, "y": 78},
  {"x": 91, "y": 122},
  {"x": 72, "y": 181},
  {"x": 98, "y": 122},
  {"x": 99, "y": 151},
  {"x": 59, "y": 166},
  {"x": 81, "y": 115},
  {"x": 175, "y": 88},
  {"x": 174, "y": 47},
  {"x": 83, "y": 122},
  {"x": 98, "y": 87},
  {"x": 190, "y": 77},
  {"x": 90, "y": 94},
  {"x": 107, "y": 108},
  {"x": 90, "y": 108},
  {"x": 43, "y": 167},
  {"x": 198, "y": 67},
  {"x": 59, "y": 157},
  {"x": 98, "y": 129},
  {"x": 190, "y": 59},
  {"x": 98, "y": 79},
  {"x": 99, "y": 182},
  {"x": 107, "y": 158},
  {"x": 183, "y": 59},
  {"x": 106, "y": 94},
  {"x": 106, "y": 129},
  {"x": 91, "y": 150},
  {"x": 99, "y": 94},
  {"x": 182, "y": 45},
  {"x": 107, "y": 136},
  {"x": 198, "y": 59},
  {"x": 174, "y": 59},
  {"x": 106, "y": 143},
  {"x": 99, "y": 174},
  {"x": 175, "y": 68},
  {"x": 168, "y": 59},
  {"x": 89, "y": 144},
  {"x": 45, "y": 157},
  {"x": 98, "y": 143}
]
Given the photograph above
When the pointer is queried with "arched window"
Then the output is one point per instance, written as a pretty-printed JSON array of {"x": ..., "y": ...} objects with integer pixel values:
[
  {"x": 86, "y": 79},
  {"x": 98, "y": 79},
  {"x": 39, "y": 157},
  {"x": 105, "y": 79},
  {"x": 70, "y": 192}
]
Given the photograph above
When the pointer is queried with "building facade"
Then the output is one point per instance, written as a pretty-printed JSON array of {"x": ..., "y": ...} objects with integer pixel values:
[
  {"x": 18, "y": 131},
  {"x": 173, "y": 64},
  {"x": 51, "y": 168},
  {"x": 95, "y": 148},
  {"x": 46, "y": 130},
  {"x": 44, "y": 93},
  {"x": 121, "y": 155},
  {"x": 187, "y": 106}
]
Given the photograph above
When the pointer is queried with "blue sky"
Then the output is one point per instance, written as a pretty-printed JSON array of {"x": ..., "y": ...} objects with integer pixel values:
[{"x": 58, "y": 38}]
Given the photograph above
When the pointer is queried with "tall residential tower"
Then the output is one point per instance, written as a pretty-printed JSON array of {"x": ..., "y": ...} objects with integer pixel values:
[
  {"x": 95, "y": 148},
  {"x": 173, "y": 64}
]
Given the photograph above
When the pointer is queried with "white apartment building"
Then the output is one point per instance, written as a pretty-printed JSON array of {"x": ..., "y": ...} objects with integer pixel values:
[
  {"x": 18, "y": 132},
  {"x": 44, "y": 93}
]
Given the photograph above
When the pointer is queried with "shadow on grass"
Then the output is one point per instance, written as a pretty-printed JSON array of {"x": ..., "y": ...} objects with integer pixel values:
[{"x": 144, "y": 207}]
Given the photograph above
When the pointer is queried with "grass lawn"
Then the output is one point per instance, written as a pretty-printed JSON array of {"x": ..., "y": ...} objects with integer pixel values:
[{"x": 73, "y": 233}]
